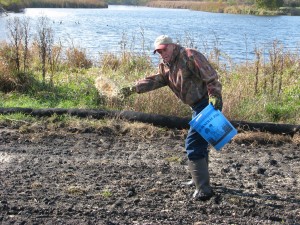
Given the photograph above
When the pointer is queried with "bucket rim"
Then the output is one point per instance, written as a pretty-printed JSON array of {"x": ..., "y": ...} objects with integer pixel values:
[{"x": 203, "y": 113}]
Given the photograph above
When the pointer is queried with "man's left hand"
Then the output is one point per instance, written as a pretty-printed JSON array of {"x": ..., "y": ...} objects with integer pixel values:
[{"x": 216, "y": 102}]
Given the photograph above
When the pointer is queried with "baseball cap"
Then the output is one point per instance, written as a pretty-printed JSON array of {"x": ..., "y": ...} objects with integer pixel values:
[{"x": 161, "y": 42}]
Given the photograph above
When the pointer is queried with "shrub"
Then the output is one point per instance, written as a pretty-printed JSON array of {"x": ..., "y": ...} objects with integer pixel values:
[
  {"x": 77, "y": 58},
  {"x": 278, "y": 112},
  {"x": 269, "y": 4}
]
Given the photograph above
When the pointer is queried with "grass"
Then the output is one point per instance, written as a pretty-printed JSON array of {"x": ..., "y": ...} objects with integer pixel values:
[
  {"x": 229, "y": 6},
  {"x": 106, "y": 193},
  {"x": 265, "y": 89},
  {"x": 65, "y": 96},
  {"x": 208, "y": 6},
  {"x": 16, "y": 119},
  {"x": 55, "y": 123},
  {"x": 263, "y": 138},
  {"x": 77, "y": 90},
  {"x": 19, "y": 5},
  {"x": 174, "y": 159},
  {"x": 261, "y": 91},
  {"x": 66, "y": 4},
  {"x": 76, "y": 190}
]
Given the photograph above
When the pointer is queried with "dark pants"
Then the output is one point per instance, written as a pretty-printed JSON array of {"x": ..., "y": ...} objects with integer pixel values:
[{"x": 195, "y": 145}]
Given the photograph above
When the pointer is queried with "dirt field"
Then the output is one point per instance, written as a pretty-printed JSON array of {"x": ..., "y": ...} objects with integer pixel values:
[{"x": 133, "y": 174}]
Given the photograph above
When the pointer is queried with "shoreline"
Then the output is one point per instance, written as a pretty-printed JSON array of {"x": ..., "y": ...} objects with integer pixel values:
[
  {"x": 216, "y": 7},
  {"x": 213, "y": 7}
]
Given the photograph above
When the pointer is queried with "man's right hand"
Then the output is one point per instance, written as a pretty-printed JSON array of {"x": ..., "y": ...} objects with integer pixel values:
[{"x": 125, "y": 92}]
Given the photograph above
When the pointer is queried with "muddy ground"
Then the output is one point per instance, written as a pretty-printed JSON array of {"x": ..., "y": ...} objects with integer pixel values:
[{"x": 133, "y": 174}]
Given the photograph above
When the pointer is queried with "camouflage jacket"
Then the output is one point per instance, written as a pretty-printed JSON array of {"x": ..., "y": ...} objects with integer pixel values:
[{"x": 189, "y": 75}]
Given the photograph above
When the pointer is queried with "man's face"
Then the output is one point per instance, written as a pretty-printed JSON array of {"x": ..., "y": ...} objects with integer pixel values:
[{"x": 166, "y": 53}]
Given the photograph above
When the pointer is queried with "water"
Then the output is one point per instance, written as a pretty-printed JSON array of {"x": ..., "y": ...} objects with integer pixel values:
[{"x": 108, "y": 30}]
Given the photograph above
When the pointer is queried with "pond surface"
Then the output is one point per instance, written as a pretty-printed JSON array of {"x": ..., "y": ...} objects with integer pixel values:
[{"x": 135, "y": 28}]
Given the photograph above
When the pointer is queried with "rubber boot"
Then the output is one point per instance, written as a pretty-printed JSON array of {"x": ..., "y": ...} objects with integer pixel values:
[
  {"x": 191, "y": 182},
  {"x": 199, "y": 171}
]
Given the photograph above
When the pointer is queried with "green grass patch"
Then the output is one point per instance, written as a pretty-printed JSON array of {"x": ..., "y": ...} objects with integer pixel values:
[
  {"x": 174, "y": 159},
  {"x": 17, "y": 118},
  {"x": 106, "y": 193}
]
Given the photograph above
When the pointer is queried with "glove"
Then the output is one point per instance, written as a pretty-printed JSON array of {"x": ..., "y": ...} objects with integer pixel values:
[
  {"x": 126, "y": 92},
  {"x": 216, "y": 102}
]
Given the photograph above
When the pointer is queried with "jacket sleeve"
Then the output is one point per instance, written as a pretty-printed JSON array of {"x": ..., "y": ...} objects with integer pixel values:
[
  {"x": 207, "y": 74},
  {"x": 153, "y": 82}
]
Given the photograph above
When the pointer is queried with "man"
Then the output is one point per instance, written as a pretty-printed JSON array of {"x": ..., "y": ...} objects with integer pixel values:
[{"x": 193, "y": 80}]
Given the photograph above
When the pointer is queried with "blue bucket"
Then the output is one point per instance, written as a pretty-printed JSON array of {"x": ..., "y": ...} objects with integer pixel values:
[{"x": 213, "y": 126}]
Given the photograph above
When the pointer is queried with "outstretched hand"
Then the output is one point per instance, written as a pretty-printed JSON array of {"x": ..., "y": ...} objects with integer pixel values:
[{"x": 125, "y": 92}]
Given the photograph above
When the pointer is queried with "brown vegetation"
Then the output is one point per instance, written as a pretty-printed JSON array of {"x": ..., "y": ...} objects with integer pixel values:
[
  {"x": 19, "y": 5},
  {"x": 269, "y": 82},
  {"x": 225, "y": 6},
  {"x": 66, "y": 4},
  {"x": 193, "y": 5}
]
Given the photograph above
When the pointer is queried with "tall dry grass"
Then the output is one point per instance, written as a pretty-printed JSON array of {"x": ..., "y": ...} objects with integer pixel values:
[
  {"x": 208, "y": 6},
  {"x": 222, "y": 6},
  {"x": 66, "y": 4},
  {"x": 264, "y": 89},
  {"x": 20, "y": 5}
]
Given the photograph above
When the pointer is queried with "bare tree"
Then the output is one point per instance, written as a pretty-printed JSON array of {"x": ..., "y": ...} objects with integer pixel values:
[
  {"x": 19, "y": 35},
  {"x": 45, "y": 41},
  {"x": 257, "y": 68},
  {"x": 15, "y": 32},
  {"x": 53, "y": 59},
  {"x": 26, "y": 38}
]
